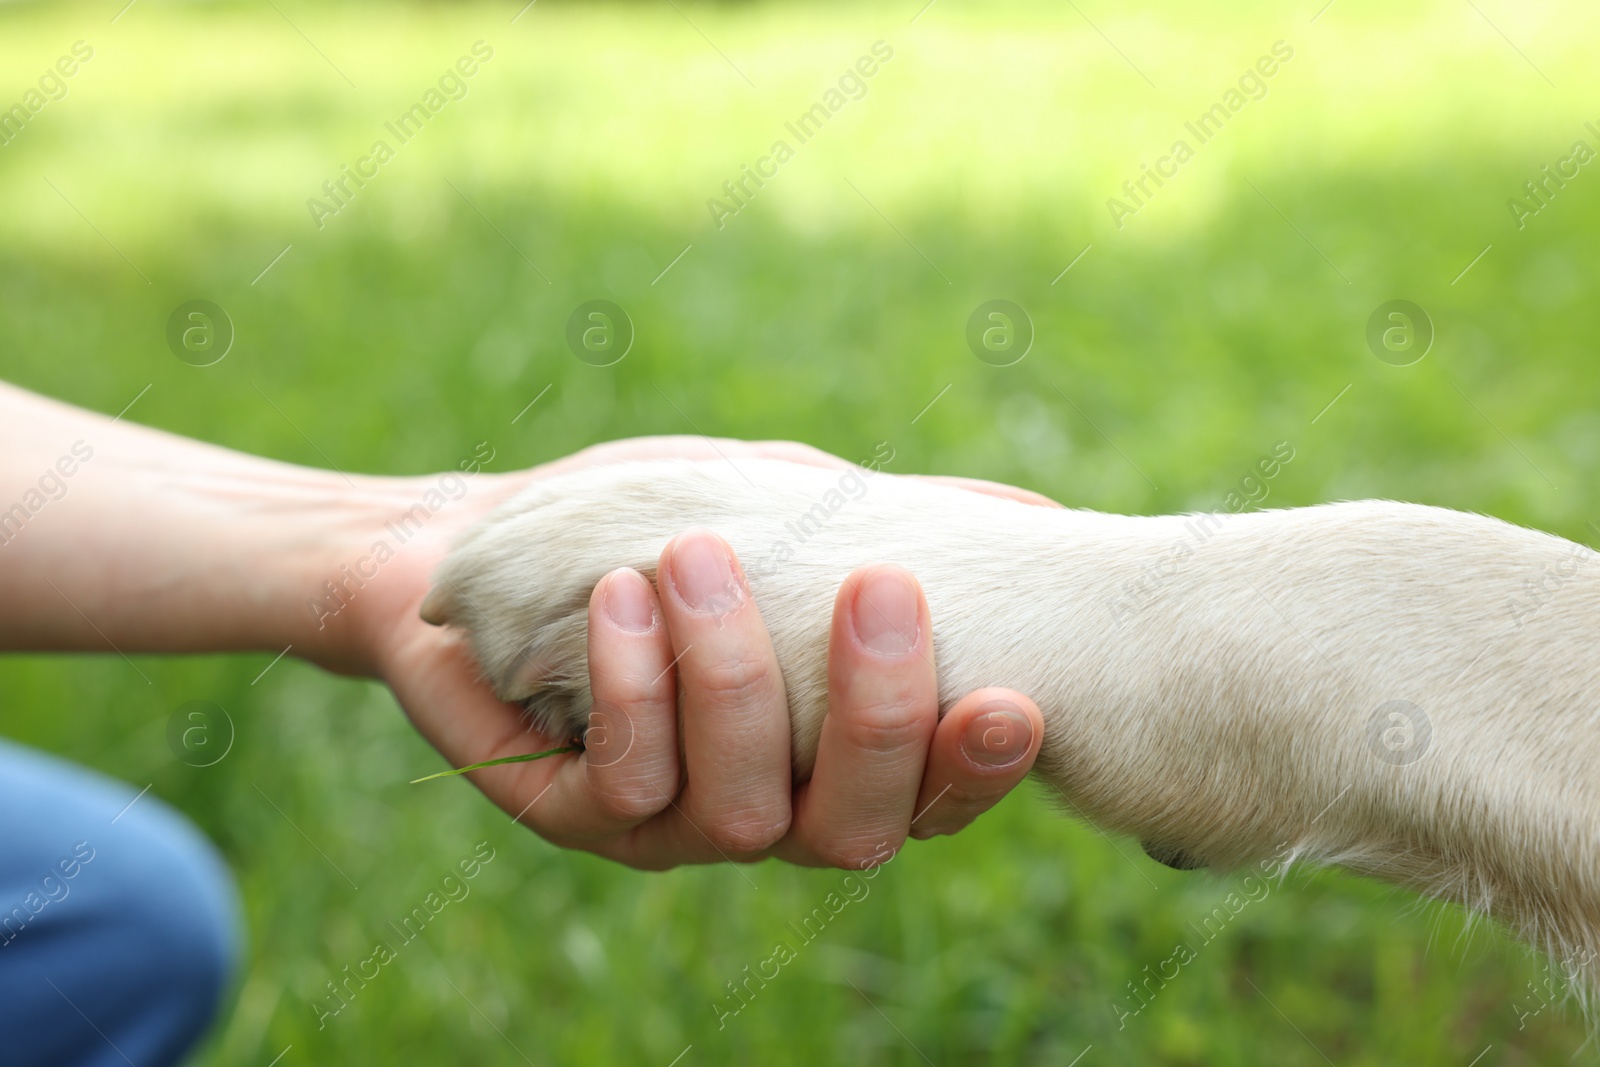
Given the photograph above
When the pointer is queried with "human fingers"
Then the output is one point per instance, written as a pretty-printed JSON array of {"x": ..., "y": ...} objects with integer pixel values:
[
  {"x": 985, "y": 745},
  {"x": 629, "y": 767},
  {"x": 883, "y": 706},
  {"x": 735, "y": 712}
]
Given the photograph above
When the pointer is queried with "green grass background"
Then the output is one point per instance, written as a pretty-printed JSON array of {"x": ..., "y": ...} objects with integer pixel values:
[{"x": 1221, "y": 319}]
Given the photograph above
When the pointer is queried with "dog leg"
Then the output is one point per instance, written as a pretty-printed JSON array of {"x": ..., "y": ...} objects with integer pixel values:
[{"x": 1370, "y": 684}]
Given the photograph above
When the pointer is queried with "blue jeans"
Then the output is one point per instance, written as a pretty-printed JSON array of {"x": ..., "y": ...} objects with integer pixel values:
[{"x": 119, "y": 926}]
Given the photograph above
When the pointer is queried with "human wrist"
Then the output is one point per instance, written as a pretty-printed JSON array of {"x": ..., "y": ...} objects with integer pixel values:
[
  {"x": 312, "y": 604},
  {"x": 351, "y": 567}
]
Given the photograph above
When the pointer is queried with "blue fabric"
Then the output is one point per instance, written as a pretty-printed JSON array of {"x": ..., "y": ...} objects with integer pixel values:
[{"x": 118, "y": 938}]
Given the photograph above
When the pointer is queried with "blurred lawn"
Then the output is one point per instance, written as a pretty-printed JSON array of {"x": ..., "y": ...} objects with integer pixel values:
[{"x": 1222, "y": 318}]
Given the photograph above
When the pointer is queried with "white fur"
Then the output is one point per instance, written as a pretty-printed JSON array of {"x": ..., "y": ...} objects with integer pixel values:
[{"x": 1218, "y": 685}]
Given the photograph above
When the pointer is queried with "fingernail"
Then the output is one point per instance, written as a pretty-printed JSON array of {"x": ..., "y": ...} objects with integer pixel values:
[
  {"x": 886, "y": 614},
  {"x": 702, "y": 574},
  {"x": 627, "y": 603},
  {"x": 998, "y": 736}
]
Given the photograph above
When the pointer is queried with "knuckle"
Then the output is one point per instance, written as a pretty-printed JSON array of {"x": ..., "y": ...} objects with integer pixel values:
[
  {"x": 888, "y": 725},
  {"x": 630, "y": 804},
  {"x": 631, "y": 774},
  {"x": 631, "y": 689},
  {"x": 747, "y": 834},
  {"x": 729, "y": 680}
]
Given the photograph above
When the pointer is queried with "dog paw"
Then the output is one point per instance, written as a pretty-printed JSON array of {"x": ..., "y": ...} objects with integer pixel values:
[{"x": 518, "y": 583}]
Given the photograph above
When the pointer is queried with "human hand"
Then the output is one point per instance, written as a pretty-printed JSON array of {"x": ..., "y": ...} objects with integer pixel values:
[
  {"x": 250, "y": 554},
  {"x": 642, "y": 794}
]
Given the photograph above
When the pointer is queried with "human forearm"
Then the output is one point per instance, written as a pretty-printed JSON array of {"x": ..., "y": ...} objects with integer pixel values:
[{"x": 113, "y": 535}]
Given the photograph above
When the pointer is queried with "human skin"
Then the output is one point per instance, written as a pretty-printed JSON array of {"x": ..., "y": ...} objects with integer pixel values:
[{"x": 155, "y": 543}]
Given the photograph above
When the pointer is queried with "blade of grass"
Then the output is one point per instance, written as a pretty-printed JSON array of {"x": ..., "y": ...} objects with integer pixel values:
[{"x": 496, "y": 762}]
